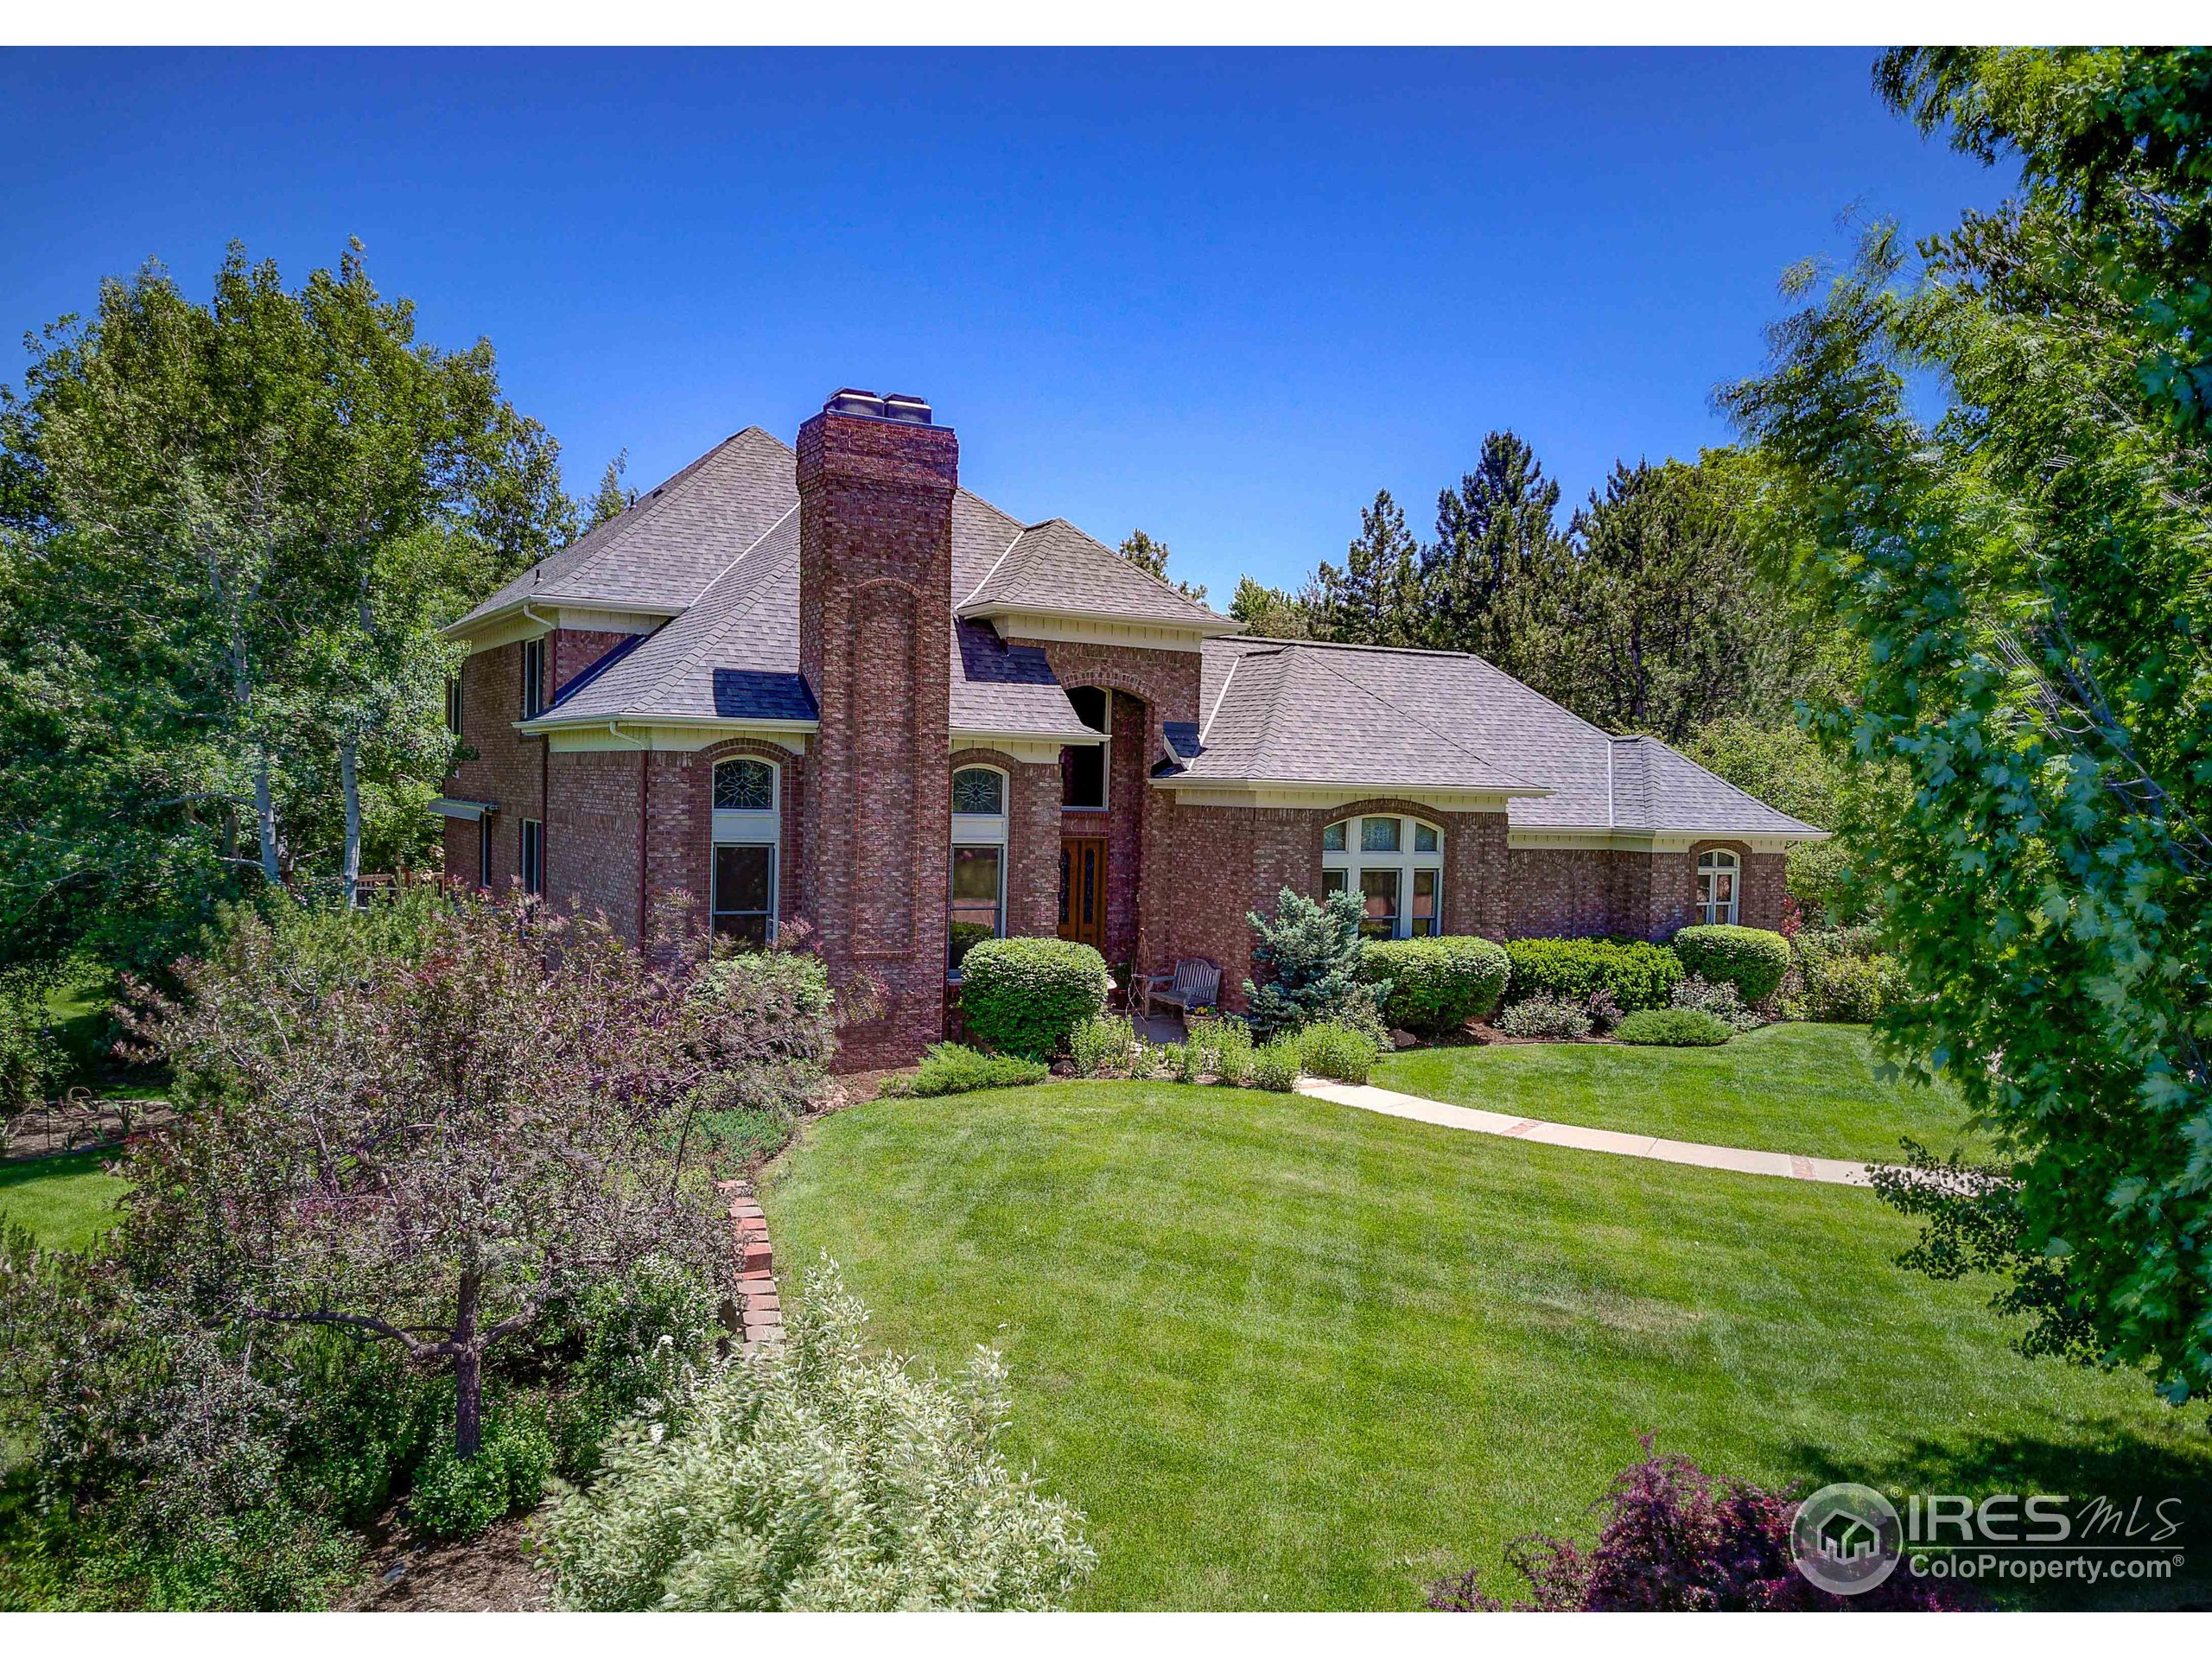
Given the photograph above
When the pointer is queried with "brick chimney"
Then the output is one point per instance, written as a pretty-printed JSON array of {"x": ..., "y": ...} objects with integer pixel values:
[{"x": 875, "y": 482}]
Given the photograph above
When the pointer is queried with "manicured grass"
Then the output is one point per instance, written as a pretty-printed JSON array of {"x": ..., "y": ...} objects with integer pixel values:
[
  {"x": 1288, "y": 1354},
  {"x": 67, "y": 1202},
  {"x": 1791, "y": 1087}
]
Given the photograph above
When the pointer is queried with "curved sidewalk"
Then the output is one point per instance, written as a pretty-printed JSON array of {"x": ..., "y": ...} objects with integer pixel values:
[{"x": 1790, "y": 1165}]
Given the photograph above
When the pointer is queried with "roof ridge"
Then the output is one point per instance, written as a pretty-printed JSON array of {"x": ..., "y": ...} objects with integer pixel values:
[
  {"x": 648, "y": 504},
  {"x": 1444, "y": 737}
]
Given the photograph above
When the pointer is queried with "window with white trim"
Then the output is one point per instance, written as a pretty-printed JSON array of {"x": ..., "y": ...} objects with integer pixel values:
[
  {"x": 1397, "y": 865},
  {"x": 533, "y": 679},
  {"x": 1718, "y": 877},
  {"x": 977, "y": 895},
  {"x": 1085, "y": 767},
  {"x": 748, "y": 848}
]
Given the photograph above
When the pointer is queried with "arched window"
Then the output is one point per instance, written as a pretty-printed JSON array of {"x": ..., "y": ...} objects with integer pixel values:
[
  {"x": 749, "y": 838},
  {"x": 1718, "y": 877},
  {"x": 1395, "y": 864},
  {"x": 978, "y": 894}
]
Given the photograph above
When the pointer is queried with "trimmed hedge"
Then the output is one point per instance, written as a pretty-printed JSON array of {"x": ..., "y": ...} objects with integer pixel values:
[
  {"x": 1637, "y": 975},
  {"x": 1673, "y": 1028},
  {"x": 1750, "y": 958},
  {"x": 1027, "y": 996},
  {"x": 1436, "y": 985}
]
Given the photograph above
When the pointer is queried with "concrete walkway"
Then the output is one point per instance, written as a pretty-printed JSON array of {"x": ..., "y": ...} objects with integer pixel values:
[{"x": 1790, "y": 1165}]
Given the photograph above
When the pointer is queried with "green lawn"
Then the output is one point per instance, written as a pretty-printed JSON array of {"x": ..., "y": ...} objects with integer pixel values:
[
  {"x": 1790, "y": 1088},
  {"x": 67, "y": 1202},
  {"x": 1289, "y": 1354}
]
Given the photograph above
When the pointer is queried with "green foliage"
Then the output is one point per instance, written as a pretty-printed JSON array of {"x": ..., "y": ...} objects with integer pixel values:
[
  {"x": 954, "y": 1069},
  {"x": 1718, "y": 999},
  {"x": 1636, "y": 973},
  {"x": 1271, "y": 613},
  {"x": 1027, "y": 996},
  {"x": 1151, "y": 557},
  {"x": 1545, "y": 1013},
  {"x": 1785, "y": 765},
  {"x": 818, "y": 1476},
  {"x": 229, "y": 532},
  {"x": 1845, "y": 976},
  {"x": 1673, "y": 1028},
  {"x": 1435, "y": 985},
  {"x": 1375, "y": 600},
  {"x": 458, "y": 1497},
  {"x": 1274, "y": 1066},
  {"x": 1497, "y": 536},
  {"x": 1310, "y": 953},
  {"x": 1750, "y": 958},
  {"x": 32, "y": 1064},
  {"x": 1101, "y": 1047},
  {"x": 2027, "y": 579},
  {"x": 1331, "y": 1049}
]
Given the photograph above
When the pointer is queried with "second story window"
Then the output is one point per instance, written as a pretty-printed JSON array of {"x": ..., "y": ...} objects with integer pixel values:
[
  {"x": 533, "y": 679},
  {"x": 453, "y": 705},
  {"x": 1083, "y": 767}
]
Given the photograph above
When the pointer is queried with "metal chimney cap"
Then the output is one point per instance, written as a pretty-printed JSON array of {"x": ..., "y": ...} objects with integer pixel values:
[
  {"x": 851, "y": 400},
  {"x": 905, "y": 406}
]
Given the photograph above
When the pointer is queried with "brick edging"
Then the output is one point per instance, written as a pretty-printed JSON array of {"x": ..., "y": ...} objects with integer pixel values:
[{"x": 758, "y": 1312}]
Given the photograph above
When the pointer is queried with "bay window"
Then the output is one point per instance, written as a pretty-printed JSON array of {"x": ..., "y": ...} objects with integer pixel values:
[{"x": 1395, "y": 864}]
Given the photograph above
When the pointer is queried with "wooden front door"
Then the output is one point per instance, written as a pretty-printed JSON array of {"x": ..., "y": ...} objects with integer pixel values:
[{"x": 1083, "y": 890}]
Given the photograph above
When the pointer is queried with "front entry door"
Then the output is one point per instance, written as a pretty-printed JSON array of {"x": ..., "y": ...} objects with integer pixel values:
[{"x": 1083, "y": 890}]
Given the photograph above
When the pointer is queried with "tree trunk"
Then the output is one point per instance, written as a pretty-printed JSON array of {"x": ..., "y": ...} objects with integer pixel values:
[
  {"x": 265, "y": 812},
  {"x": 350, "y": 781},
  {"x": 467, "y": 1370}
]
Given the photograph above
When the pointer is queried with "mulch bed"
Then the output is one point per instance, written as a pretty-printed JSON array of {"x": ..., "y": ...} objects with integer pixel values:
[
  {"x": 493, "y": 1573},
  {"x": 82, "y": 1125}
]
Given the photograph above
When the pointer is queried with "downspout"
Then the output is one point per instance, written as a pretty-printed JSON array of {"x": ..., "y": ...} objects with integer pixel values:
[{"x": 545, "y": 762}]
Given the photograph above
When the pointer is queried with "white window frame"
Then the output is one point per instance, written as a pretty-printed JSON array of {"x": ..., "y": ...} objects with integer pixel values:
[
  {"x": 1712, "y": 863},
  {"x": 1352, "y": 864},
  {"x": 1105, "y": 746},
  {"x": 984, "y": 830},
  {"x": 736, "y": 827}
]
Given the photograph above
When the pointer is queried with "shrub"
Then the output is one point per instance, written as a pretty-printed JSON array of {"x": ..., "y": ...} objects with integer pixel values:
[
  {"x": 458, "y": 1497},
  {"x": 1636, "y": 973},
  {"x": 1675, "y": 1539},
  {"x": 1720, "y": 1001},
  {"x": 1224, "y": 1045},
  {"x": 1673, "y": 1028},
  {"x": 954, "y": 1069},
  {"x": 1028, "y": 996},
  {"x": 1181, "y": 1060},
  {"x": 1604, "y": 1013},
  {"x": 815, "y": 1475},
  {"x": 1434, "y": 986},
  {"x": 1333, "y": 1050},
  {"x": 1311, "y": 953},
  {"x": 1545, "y": 1015},
  {"x": 1846, "y": 977},
  {"x": 1750, "y": 958},
  {"x": 1101, "y": 1047},
  {"x": 31, "y": 1061},
  {"x": 1274, "y": 1066}
]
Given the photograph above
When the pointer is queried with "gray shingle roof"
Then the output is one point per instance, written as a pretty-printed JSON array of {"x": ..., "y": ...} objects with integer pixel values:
[
  {"x": 1055, "y": 568},
  {"x": 1285, "y": 711}
]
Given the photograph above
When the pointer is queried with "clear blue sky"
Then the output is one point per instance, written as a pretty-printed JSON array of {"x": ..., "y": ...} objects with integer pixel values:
[{"x": 1222, "y": 296}]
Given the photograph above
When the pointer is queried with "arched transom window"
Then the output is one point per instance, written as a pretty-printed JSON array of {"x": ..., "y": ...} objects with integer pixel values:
[
  {"x": 1718, "y": 876},
  {"x": 748, "y": 839},
  {"x": 978, "y": 896},
  {"x": 1395, "y": 864}
]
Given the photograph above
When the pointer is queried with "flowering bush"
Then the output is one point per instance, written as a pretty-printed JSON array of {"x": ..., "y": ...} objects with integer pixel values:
[
  {"x": 1720, "y": 1001},
  {"x": 816, "y": 1475},
  {"x": 1545, "y": 1015},
  {"x": 1674, "y": 1539}
]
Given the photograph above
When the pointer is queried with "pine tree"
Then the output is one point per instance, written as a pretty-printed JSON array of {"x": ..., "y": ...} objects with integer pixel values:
[
  {"x": 1376, "y": 598},
  {"x": 1496, "y": 535},
  {"x": 1151, "y": 557},
  {"x": 1272, "y": 613}
]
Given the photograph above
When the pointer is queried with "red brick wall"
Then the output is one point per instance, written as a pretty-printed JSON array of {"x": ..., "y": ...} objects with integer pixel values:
[
  {"x": 508, "y": 768},
  {"x": 593, "y": 813},
  {"x": 875, "y": 608}
]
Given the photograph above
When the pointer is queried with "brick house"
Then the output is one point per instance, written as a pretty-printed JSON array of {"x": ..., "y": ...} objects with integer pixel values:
[{"x": 831, "y": 684}]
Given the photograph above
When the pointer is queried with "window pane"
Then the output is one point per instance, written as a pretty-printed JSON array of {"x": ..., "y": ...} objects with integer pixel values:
[
  {"x": 1424, "y": 838},
  {"x": 744, "y": 786},
  {"x": 975, "y": 876},
  {"x": 1424, "y": 917},
  {"x": 1332, "y": 880},
  {"x": 1083, "y": 775},
  {"x": 1090, "y": 703},
  {"x": 1064, "y": 886},
  {"x": 978, "y": 791},
  {"x": 1378, "y": 835},
  {"x": 745, "y": 930},
  {"x": 1380, "y": 890},
  {"x": 1333, "y": 838},
  {"x": 741, "y": 878},
  {"x": 1723, "y": 887}
]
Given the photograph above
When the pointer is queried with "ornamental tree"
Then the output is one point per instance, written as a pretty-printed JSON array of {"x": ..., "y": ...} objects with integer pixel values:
[
  {"x": 426, "y": 1128},
  {"x": 2028, "y": 577}
]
